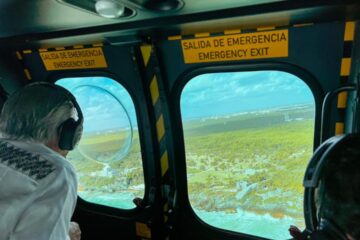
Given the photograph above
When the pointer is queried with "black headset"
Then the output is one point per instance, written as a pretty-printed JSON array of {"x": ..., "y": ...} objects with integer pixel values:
[
  {"x": 311, "y": 181},
  {"x": 69, "y": 131}
]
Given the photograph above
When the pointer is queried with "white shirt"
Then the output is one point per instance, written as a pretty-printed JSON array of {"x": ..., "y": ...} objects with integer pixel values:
[{"x": 37, "y": 192}]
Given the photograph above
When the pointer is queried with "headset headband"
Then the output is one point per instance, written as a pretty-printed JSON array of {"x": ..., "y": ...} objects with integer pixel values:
[
  {"x": 66, "y": 92},
  {"x": 313, "y": 176},
  {"x": 319, "y": 159}
]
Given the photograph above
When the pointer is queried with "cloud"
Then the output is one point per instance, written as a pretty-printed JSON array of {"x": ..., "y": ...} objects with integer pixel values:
[
  {"x": 222, "y": 93},
  {"x": 206, "y": 94},
  {"x": 104, "y": 102}
]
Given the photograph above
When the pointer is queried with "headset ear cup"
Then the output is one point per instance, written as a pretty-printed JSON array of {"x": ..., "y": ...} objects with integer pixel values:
[
  {"x": 69, "y": 134},
  {"x": 78, "y": 134}
]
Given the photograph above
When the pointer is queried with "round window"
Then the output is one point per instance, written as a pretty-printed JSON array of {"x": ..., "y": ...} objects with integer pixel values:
[{"x": 107, "y": 134}]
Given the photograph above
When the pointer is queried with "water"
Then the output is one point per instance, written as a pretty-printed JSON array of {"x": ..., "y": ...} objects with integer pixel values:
[
  {"x": 249, "y": 223},
  {"x": 241, "y": 221},
  {"x": 123, "y": 200}
]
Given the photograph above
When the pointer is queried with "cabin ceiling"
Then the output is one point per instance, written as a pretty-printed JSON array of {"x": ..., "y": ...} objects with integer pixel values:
[{"x": 37, "y": 20}]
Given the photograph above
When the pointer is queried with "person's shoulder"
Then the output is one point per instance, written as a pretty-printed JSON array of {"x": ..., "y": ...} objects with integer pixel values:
[
  {"x": 33, "y": 160},
  {"x": 24, "y": 162},
  {"x": 61, "y": 164}
]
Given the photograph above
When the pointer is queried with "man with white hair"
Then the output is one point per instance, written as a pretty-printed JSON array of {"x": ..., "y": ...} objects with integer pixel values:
[{"x": 39, "y": 125}]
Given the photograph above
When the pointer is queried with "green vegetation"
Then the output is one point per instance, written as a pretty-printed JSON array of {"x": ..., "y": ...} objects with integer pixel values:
[
  {"x": 103, "y": 147},
  {"x": 256, "y": 164},
  {"x": 252, "y": 161},
  {"x": 119, "y": 175}
]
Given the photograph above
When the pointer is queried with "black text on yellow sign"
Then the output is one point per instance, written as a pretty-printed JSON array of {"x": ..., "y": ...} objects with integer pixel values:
[
  {"x": 257, "y": 45},
  {"x": 74, "y": 59}
]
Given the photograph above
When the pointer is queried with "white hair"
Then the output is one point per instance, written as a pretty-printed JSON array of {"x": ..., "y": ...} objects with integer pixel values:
[{"x": 35, "y": 113}]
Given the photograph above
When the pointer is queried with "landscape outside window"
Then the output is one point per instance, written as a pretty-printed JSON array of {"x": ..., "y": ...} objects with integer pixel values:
[
  {"x": 108, "y": 158},
  {"x": 248, "y": 139}
]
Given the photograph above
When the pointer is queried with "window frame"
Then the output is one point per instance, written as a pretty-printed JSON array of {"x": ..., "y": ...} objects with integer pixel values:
[
  {"x": 141, "y": 119},
  {"x": 177, "y": 91}
]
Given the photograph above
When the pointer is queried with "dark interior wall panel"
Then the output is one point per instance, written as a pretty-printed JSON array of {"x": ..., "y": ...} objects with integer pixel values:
[
  {"x": 318, "y": 49},
  {"x": 315, "y": 48},
  {"x": 12, "y": 74},
  {"x": 353, "y": 112}
]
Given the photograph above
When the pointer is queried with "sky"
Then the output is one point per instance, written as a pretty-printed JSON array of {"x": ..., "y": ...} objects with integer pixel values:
[
  {"x": 217, "y": 94},
  {"x": 106, "y": 104}
]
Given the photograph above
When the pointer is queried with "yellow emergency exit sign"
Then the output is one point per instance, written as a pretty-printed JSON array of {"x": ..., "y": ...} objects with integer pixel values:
[
  {"x": 85, "y": 58},
  {"x": 269, "y": 44}
]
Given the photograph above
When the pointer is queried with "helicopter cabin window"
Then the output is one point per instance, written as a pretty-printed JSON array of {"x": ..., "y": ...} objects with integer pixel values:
[
  {"x": 108, "y": 158},
  {"x": 248, "y": 138}
]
